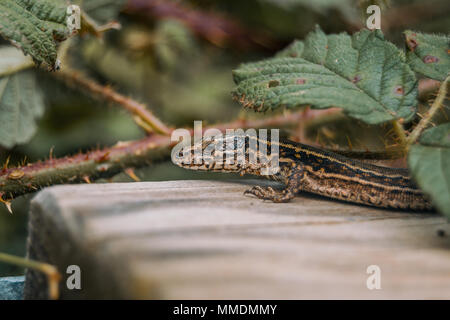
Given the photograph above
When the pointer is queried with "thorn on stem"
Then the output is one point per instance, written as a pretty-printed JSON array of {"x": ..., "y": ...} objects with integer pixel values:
[
  {"x": 86, "y": 179},
  {"x": 6, "y": 203},
  {"x": 50, "y": 155},
  {"x": 5, "y": 165},
  {"x": 130, "y": 172}
]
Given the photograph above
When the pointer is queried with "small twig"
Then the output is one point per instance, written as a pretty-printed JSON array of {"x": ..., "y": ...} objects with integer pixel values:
[
  {"x": 400, "y": 133},
  {"x": 426, "y": 119},
  {"x": 146, "y": 120},
  {"x": 88, "y": 25},
  {"x": 53, "y": 276}
]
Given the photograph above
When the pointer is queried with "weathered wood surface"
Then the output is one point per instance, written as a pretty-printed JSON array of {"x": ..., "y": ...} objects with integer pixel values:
[{"x": 204, "y": 239}]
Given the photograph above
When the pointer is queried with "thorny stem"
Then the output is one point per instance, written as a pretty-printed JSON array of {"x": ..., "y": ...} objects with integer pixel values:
[
  {"x": 82, "y": 167},
  {"x": 146, "y": 118},
  {"x": 437, "y": 104},
  {"x": 50, "y": 271},
  {"x": 107, "y": 162},
  {"x": 90, "y": 26},
  {"x": 142, "y": 116}
]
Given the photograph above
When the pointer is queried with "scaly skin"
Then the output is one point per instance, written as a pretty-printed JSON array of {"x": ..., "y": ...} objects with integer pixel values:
[{"x": 304, "y": 168}]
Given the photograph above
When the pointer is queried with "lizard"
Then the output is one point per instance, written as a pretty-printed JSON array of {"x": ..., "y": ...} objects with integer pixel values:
[{"x": 303, "y": 168}]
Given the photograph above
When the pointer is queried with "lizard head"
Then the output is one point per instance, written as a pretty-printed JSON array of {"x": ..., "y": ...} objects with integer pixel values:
[
  {"x": 222, "y": 153},
  {"x": 217, "y": 153}
]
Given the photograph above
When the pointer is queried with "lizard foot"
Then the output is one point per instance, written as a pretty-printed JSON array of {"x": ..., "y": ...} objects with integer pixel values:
[{"x": 268, "y": 193}]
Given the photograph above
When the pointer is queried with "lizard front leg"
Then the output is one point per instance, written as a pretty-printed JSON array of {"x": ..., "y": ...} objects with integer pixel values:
[{"x": 294, "y": 178}]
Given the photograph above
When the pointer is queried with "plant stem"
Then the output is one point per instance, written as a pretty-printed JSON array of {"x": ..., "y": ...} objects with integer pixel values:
[
  {"x": 437, "y": 104},
  {"x": 50, "y": 271},
  {"x": 82, "y": 167},
  {"x": 400, "y": 133},
  {"x": 108, "y": 162},
  {"x": 142, "y": 116},
  {"x": 147, "y": 120}
]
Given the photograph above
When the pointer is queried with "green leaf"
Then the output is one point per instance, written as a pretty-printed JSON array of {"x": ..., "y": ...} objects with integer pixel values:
[
  {"x": 295, "y": 49},
  {"x": 363, "y": 74},
  {"x": 428, "y": 54},
  {"x": 35, "y": 26},
  {"x": 21, "y": 101},
  {"x": 429, "y": 162}
]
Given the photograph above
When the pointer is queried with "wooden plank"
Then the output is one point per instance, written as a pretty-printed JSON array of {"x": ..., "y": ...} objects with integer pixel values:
[{"x": 205, "y": 240}]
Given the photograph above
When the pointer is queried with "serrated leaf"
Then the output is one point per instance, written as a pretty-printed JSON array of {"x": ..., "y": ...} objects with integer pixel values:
[
  {"x": 21, "y": 101},
  {"x": 428, "y": 54},
  {"x": 363, "y": 74},
  {"x": 429, "y": 162},
  {"x": 35, "y": 26},
  {"x": 295, "y": 49}
]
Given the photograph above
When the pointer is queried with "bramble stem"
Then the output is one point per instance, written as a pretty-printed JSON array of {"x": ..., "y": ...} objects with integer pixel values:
[
  {"x": 82, "y": 167},
  {"x": 437, "y": 104},
  {"x": 108, "y": 162},
  {"x": 147, "y": 120},
  {"x": 50, "y": 271}
]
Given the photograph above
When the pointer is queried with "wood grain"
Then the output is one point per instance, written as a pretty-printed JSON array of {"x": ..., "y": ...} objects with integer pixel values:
[{"x": 206, "y": 240}]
